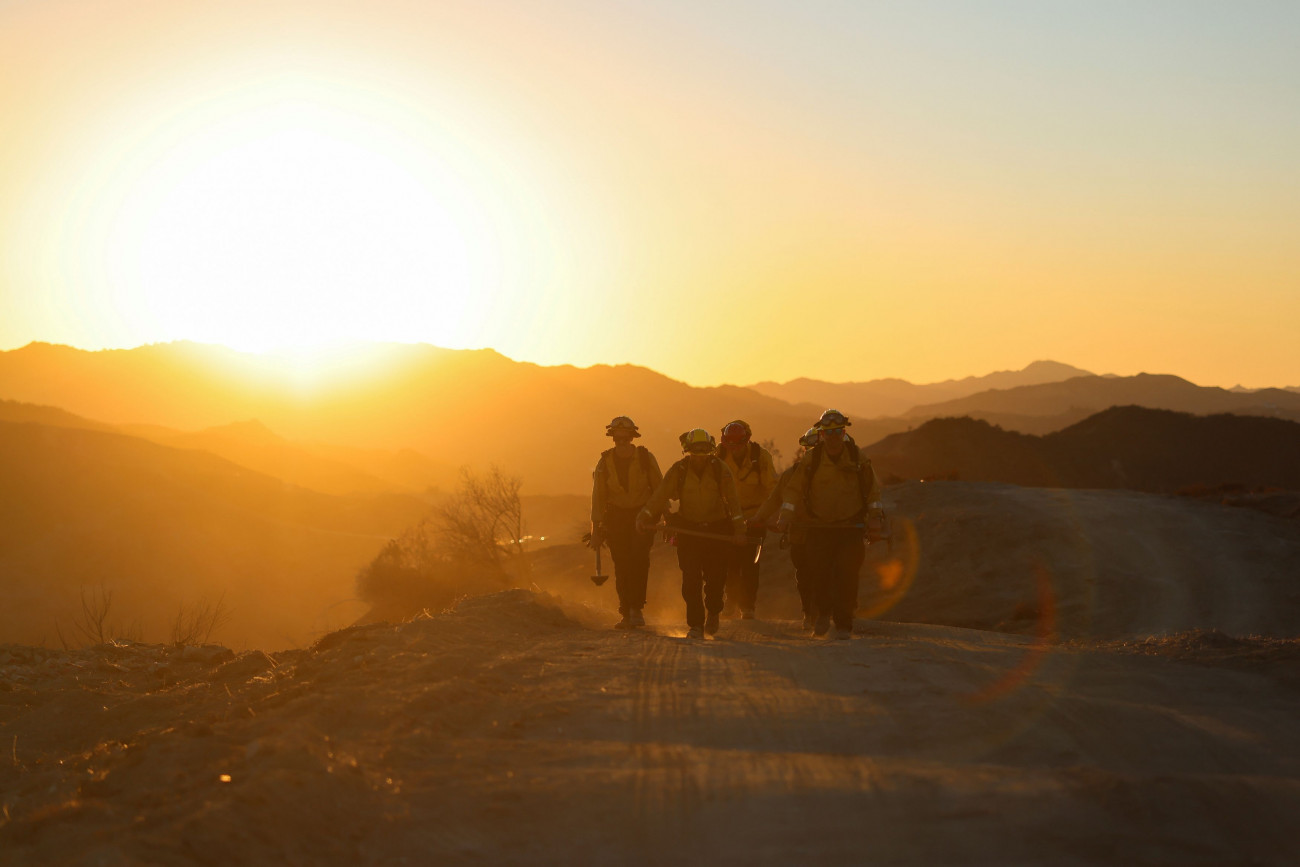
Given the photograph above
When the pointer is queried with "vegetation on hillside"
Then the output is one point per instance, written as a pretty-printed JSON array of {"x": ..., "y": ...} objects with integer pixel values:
[{"x": 471, "y": 543}]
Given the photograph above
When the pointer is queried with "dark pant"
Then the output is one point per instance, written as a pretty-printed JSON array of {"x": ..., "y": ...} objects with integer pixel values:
[
  {"x": 834, "y": 557},
  {"x": 799, "y": 558},
  {"x": 631, "y": 553},
  {"x": 704, "y": 571},
  {"x": 742, "y": 574}
]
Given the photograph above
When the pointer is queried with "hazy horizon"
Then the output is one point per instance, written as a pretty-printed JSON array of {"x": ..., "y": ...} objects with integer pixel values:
[{"x": 330, "y": 355}]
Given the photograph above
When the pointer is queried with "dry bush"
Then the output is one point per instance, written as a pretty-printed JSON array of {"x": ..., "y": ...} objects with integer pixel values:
[
  {"x": 91, "y": 626},
  {"x": 469, "y": 545},
  {"x": 194, "y": 624},
  {"x": 483, "y": 522}
]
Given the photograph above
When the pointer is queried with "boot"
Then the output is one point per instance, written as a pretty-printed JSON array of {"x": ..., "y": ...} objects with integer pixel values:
[
  {"x": 711, "y": 623},
  {"x": 822, "y": 626},
  {"x": 808, "y": 621},
  {"x": 695, "y": 632},
  {"x": 636, "y": 617}
]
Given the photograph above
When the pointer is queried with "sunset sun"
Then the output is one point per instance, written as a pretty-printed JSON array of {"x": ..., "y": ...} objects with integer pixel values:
[{"x": 298, "y": 224}]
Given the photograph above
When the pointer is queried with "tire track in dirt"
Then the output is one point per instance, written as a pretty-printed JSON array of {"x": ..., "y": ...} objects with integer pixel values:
[
  {"x": 749, "y": 712},
  {"x": 667, "y": 791}
]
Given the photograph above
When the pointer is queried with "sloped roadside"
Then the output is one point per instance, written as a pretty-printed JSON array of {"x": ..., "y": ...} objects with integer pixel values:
[{"x": 513, "y": 731}]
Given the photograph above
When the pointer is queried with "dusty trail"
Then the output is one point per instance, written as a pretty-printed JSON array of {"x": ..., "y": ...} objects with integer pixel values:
[{"x": 508, "y": 732}]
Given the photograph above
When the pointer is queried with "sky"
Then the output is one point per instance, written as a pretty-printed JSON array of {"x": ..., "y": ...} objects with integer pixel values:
[{"x": 722, "y": 191}]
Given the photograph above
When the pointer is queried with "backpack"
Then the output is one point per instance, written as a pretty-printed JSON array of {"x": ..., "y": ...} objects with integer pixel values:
[
  {"x": 814, "y": 457},
  {"x": 714, "y": 464},
  {"x": 642, "y": 454}
]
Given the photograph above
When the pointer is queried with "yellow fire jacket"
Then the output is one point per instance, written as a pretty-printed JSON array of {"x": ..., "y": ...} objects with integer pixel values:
[
  {"x": 643, "y": 476},
  {"x": 835, "y": 490},
  {"x": 753, "y": 486},
  {"x": 704, "y": 497}
]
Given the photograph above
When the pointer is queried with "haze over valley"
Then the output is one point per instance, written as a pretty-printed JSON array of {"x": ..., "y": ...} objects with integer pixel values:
[{"x": 182, "y": 472}]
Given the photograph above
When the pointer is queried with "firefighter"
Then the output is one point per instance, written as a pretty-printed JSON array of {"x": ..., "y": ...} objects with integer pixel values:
[
  {"x": 625, "y": 477},
  {"x": 839, "y": 494},
  {"x": 755, "y": 475},
  {"x": 708, "y": 522}
]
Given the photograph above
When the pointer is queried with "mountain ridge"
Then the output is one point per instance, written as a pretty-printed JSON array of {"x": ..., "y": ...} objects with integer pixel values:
[
  {"x": 478, "y": 407},
  {"x": 1131, "y": 447}
]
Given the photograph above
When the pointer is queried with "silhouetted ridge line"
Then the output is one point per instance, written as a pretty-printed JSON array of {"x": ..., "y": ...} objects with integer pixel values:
[{"x": 1122, "y": 447}]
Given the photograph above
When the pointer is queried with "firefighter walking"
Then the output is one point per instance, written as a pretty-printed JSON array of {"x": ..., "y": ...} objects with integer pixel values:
[
  {"x": 755, "y": 474},
  {"x": 839, "y": 494},
  {"x": 708, "y": 521},
  {"x": 625, "y": 477}
]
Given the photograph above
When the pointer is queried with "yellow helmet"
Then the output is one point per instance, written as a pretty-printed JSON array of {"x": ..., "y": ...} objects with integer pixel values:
[
  {"x": 622, "y": 423},
  {"x": 810, "y": 437},
  {"x": 697, "y": 441}
]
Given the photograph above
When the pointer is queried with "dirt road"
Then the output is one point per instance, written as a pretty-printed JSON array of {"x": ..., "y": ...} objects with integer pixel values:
[{"x": 512, "y": 731}]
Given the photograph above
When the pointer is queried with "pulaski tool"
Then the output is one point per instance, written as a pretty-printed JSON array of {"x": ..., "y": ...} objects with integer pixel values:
[
  {"x": 598, "y": 579},
  {"x": 669, "y": 528}
]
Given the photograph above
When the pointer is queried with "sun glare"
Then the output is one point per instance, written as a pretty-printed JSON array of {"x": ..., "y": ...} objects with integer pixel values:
[{"x": 294, "y": 215}]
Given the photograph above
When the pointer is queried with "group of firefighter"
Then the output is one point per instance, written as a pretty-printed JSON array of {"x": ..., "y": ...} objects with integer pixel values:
[{"x": 729, "y": 496}]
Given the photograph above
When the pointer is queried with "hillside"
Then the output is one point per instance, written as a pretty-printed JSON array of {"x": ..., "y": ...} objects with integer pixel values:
[
  {"x": 251, "y": 444},
  {"x": 518, "y": 730},
  {"x": 1123, "y": 447},
  {"x": 474, "y": 407},
  {"x": 165, "y": 527}
]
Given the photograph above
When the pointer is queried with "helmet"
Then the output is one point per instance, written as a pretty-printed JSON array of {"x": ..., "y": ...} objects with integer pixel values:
[
  {"x": 810, "y": 437},
  {"x": 697, "y": 442},
  {"x": 833, "y": 419},
  {"x": 621, "y": 423},
  {"x": 736, "y": 432}
]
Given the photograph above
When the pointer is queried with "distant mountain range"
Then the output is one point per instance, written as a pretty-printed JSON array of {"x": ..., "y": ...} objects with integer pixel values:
[
  {"x": 404, "y": 418},
  {"x": 1123, "y": 447},
  {"x": 895, "y": 397},
  {"x": 471, "y": 407},
  {"x": 1090, "y": 394}
]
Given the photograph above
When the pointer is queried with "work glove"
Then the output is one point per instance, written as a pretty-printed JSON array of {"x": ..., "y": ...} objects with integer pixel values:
[
  {"x": 644, "y": 523},
  {"x": 597, "y": 537}
]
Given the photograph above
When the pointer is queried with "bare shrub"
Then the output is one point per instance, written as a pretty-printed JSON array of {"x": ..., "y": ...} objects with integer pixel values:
[
  {"x": 92, "y": 626},
  {"x": 470, "y": 544},
  {"x": 194, "y": 624},
  {"x": 483, "y": 522}
]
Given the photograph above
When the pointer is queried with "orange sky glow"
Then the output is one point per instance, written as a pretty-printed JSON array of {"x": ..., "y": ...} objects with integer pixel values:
[{"x": 724, "y": 192}]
